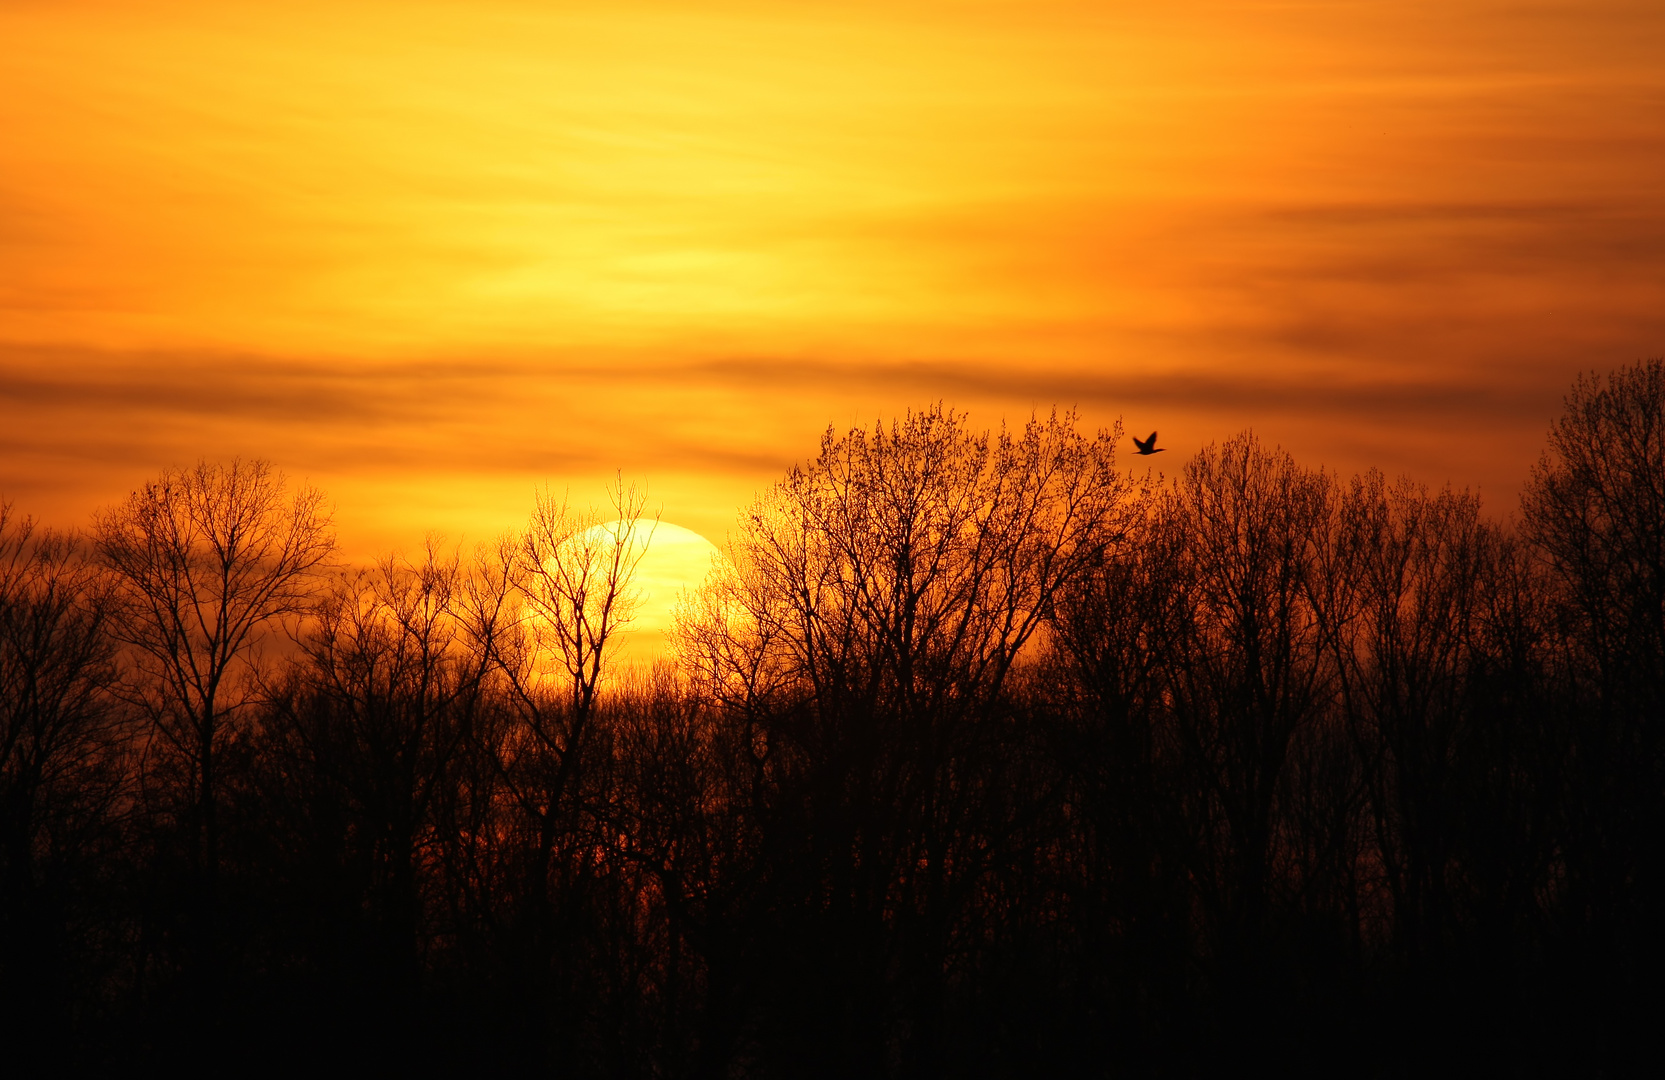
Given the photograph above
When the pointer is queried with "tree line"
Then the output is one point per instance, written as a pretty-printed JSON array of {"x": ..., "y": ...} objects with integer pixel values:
[{"x": 977, "y": 755}]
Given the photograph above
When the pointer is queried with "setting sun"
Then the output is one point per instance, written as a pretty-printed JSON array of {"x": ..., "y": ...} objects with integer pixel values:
[{"x": 675, "y": 562}]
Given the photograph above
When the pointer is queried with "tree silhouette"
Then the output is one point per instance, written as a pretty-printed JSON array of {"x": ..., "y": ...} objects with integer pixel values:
[
  {"x": 863, "y": 636},
  {"x": 369, "y": 722},
  {"x": 547, "y": 610},
  {"x": 203, "y": 561},
  {"x": 1595, "y": 511},
  {"x": 62, "y": 775}
]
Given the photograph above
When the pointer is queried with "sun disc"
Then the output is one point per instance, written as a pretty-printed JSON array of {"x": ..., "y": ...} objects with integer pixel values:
[{"x": 676, "y": 559}]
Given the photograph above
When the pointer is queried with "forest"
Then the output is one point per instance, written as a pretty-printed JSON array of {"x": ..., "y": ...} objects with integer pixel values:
[{"x": 979, "y": 755}]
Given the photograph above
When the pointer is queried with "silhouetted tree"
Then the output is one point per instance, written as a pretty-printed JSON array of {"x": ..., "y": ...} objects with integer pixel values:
[
  {"x": 1250, "y": 674},
  {"x": 1126, "y": 959},
  {"x": 366, "y": 728},
  {"x": 1595, "y": 511},
  {"x": 1431, "y": 677},
  {"x": 1417, "y": 566},
  {"x": 203, "y": 561},
  {"x": 62, "y": 780},
  {"x": 862, "y": 636},
  {"x": 547, "y": 610}
]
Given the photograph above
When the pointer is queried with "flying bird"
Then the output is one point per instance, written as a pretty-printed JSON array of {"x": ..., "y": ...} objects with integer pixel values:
[{"x": 1148, "y": 446}]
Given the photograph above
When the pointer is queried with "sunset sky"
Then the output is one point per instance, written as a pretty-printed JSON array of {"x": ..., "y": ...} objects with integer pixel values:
[{"x": 429, "y": 256}]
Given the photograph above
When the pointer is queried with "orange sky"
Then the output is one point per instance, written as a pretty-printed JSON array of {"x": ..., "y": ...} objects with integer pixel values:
[{"x": 432, "y": 255}]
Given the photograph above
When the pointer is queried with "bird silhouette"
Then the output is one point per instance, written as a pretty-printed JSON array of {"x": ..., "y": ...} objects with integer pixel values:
[{"x": 1148, "y": 446}]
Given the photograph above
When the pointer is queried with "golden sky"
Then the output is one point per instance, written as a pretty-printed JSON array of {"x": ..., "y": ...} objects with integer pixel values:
[{"x": 430, "y": 256}]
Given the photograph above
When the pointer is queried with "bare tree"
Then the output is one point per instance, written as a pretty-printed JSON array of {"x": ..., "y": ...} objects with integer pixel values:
[
  {"x": 370, "y": 719},
  {"x": 574, "y": 574},
  {"x": 1420, "y": 568},
  {"x": 913, "y": 564},
  {"x": 1249, "y": 666},
  {"x": 549, "y": 605},
  {"x": 205, "y": 559},
  {"x": 61, "y": 760},
  {"x": 862, "y": 634},
  {"x": 1595, "y": 512},
  {"x": 1595, "y": 507},
  {"x": 1104, "y": 690},
  {"x": 547, "y": 609}
]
